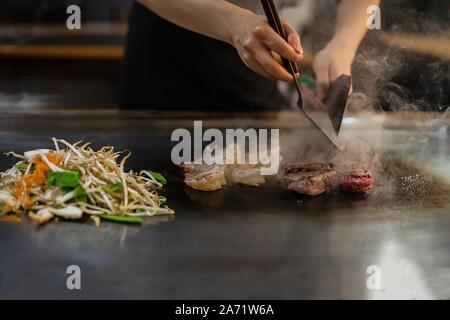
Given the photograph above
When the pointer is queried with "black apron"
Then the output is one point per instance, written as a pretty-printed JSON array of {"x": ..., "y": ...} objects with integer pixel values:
[{"x": 168, "y": 67}]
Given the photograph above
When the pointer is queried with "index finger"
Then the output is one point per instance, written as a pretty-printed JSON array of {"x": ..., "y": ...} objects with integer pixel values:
[
  {"x": 293, "y": 38},
  {"x": 276, "y": 43}
]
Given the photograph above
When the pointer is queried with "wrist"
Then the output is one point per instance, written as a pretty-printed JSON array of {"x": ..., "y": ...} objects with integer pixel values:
[
  {"x": 343, "y": 45},
  {"x": 234, "y": 25}
]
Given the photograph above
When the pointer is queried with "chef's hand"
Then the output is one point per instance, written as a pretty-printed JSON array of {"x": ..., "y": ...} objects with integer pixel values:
[
  {"x": 330, "y": 63},
  {"x": 260, "y": 47}
]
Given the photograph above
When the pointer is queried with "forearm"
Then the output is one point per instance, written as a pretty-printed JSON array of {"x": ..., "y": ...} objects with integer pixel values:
[
  {"x": 249, "y": 33},
  {"x": 351, "y": 25},
  {"x": 212, "y": 18}
]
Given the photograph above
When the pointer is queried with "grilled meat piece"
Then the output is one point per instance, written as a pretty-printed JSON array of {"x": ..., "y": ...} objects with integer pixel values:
[
  {"x": 307, "y": 167},
  {"x": 249, "y": 175},
  {"x": 204, "y": 178},
  {"x": 356, "y": 178},
  {"x": 211, "y": 178},
  {"x": 311, "y": 179}
]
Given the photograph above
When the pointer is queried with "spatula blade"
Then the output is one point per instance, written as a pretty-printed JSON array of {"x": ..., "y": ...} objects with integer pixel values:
[
  {"x": 316, "y": 111},
  {"x": 337, "y": 101}
]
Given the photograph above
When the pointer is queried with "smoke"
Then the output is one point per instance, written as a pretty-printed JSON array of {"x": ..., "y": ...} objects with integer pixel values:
[
  {"x": 395, "y": 79},
  {"x": 389, "y": 79},
  {"x": 386, "y": 78}
]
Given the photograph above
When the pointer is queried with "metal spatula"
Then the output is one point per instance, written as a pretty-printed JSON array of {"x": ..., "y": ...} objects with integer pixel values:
[
  {"x": 337, "y": 100},
  {"x": 328, "y": 114},
  {"x": 326, "y": 120}
]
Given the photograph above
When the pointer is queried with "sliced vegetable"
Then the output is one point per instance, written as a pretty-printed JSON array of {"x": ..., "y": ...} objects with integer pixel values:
[
  {"x": 112, "y": 188},
  {"x": 30, "y": 155},
  {"x": 80, "y": 195},
  {"x": 96, "y": 220},
  {"x": 42, "y": 216},
  {"x": 158, "y": 176},
  {"x": 6, "y": 198},
  {"x": 75, "y": 180},
  {"x": 69, "y": 212},
  {"x": 63, "y": 179},
  {"x": 50, "y": 163},
  {"x": 122, "y": 219},
  {"x": 21, "y": 166}
]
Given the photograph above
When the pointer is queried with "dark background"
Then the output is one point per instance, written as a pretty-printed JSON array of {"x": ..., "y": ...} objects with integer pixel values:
[
  {"x": 40, "y": 80},
  {"x": 45, "y": 11}
]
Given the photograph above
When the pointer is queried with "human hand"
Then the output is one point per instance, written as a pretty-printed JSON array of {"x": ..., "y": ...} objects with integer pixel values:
[
  {"x": 260, "y": 47},
  {"x": 330, "y": 63}
]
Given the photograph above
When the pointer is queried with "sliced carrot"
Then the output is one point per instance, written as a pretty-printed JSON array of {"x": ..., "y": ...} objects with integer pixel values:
[{"x": 37, "y": 178}]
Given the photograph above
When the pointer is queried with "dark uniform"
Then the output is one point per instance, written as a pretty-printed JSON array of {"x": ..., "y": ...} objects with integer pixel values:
[{"x": 168, "y": 67}]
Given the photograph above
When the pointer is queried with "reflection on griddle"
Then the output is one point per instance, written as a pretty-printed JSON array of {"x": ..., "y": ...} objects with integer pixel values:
[
  {"x": 207, "y": 199},
  {"x": 109, "y": 233}
]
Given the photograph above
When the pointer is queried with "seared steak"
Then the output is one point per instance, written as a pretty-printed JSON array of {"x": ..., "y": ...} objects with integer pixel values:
[
  {"x": 311, "y": 179},
  {"x": 356, "y": 178}
]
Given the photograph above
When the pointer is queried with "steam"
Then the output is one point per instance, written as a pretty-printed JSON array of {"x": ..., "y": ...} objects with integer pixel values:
[
  {"x": 386, "y": 78},
  {"x": 395, "y": 79},
  {"x": 390, "y": 79}
]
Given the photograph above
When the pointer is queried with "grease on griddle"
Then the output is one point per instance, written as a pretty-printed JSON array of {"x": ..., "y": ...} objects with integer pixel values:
[{"x": 414, "y": 186}]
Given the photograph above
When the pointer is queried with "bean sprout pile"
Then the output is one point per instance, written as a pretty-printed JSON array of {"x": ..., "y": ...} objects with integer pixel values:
[{"x": 74, "y": 180}]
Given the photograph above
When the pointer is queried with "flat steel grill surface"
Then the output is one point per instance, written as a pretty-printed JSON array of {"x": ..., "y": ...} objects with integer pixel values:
[{"x": 241, "y": 242}]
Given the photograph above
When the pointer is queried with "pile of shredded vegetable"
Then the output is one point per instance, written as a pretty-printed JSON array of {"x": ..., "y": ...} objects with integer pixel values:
[{"x": 74, "y": 180}]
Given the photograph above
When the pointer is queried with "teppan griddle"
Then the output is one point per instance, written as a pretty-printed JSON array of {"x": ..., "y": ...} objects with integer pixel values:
[{"x": 241, "y": 242}]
